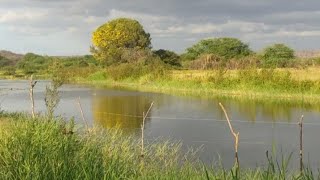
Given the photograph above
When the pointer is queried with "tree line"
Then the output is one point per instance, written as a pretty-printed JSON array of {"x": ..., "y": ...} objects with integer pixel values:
[{"x": 123, "y": 42}]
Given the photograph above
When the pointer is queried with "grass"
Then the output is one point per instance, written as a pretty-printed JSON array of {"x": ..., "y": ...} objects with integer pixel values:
[
  {"x": 295, "y": 84},
  {"x": 285, "y": 83},
  {"x": 45, "y": 148},
  {"x": 310, "y": 73}
]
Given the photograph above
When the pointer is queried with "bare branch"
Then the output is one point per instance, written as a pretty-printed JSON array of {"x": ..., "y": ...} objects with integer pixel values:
[
  {"x": 82, "y": 115},
  {"x": 142, "y": 128},
  {"x": 236, "y": 135}
]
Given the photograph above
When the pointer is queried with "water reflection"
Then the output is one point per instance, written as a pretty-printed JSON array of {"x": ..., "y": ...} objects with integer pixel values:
[
  {"x": 271, "y": 110},
  {"x": 187, "y": 118},
  {"x": 124, "y": 111}
]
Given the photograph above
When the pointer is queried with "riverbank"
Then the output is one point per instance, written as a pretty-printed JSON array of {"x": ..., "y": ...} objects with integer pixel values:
[
  {"x": 45, "y": 148},
  {"x": 279, "y": 84}
]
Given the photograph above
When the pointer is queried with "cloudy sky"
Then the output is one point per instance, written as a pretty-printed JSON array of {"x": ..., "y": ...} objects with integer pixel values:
[{"x": 64, "y": 27}]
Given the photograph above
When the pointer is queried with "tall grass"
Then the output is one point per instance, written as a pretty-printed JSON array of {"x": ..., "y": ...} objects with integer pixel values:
[
  {"x": 266, "y": 82},
  {"x": 51, "y": 149}
]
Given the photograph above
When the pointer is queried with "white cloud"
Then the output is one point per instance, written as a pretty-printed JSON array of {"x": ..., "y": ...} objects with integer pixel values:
[
  {"x": 114, "y": 13},
  {"x": 297, "y": 33},
  {"x": 204, "y": 28},
  {"x": 14, "y": 16}
]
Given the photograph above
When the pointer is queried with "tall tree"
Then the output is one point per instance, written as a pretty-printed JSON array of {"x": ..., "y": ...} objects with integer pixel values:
[{"x": 114, "y": 37}]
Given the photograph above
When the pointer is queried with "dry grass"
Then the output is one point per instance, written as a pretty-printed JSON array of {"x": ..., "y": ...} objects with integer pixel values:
[{"x": 310, "y": 73}]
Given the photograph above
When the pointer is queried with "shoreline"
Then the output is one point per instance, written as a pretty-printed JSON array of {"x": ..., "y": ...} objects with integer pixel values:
[{"x": 204, "y": 93}]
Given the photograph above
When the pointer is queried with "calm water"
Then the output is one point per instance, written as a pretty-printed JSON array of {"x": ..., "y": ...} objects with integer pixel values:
[{"x": 196, "y": 121}]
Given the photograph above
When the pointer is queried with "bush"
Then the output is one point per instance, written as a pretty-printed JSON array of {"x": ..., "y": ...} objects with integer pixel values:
[
  {"x": 168, "y": 57},
  {"x": 99, "y": 75},
  {"x": 32, "y": 63},
  {"x": 206, "y": 62},
  {"x": 4, "y": 62},
  {"x": 135, "y": 55},
  {"x": 125, "y": 70},
  {"x": 9, "y": 71},
  {"x": 251, "y": 61},
  {"x": 154, "y": 67},
  {"x": 277, "y": 55},
  {"x": 226, "y": 48}
]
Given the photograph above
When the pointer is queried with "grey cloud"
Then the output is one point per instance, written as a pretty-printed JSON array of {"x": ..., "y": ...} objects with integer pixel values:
[{"x": 174, "y": 24}]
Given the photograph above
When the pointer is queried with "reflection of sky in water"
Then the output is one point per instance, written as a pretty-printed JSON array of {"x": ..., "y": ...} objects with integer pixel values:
[{"x": 195, "y": 121}]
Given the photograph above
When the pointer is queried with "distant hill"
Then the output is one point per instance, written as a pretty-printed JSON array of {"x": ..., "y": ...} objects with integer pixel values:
[
  {"x": 308, "y": 53},
  {"x": 12, "y": 57}
]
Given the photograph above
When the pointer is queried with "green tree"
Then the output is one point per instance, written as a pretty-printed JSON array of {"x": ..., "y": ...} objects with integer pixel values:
[
  {"x": 168, "y": 57},
  {"x": 4, "y": 62},
  {"x": 32, "y": 63},
  {"x": 116, "y": 36},
  {"x": 277, "y": 55},
  {"x": 225, "y": 47}
]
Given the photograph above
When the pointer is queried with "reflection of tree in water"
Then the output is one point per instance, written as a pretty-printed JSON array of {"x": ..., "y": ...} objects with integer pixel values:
[
  {"x": 269, "y": 109},
  {"x": 111, "y": 111}
]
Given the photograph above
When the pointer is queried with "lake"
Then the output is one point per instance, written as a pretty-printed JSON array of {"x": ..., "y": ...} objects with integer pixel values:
[{"x": 263, "y": 124}]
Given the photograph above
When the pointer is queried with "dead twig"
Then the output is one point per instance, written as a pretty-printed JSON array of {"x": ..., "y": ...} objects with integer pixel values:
[
  {"x": 32, "y": 84},
  {"x": 235, "y": 135},
  {"x": 142, "y": 129},
  {"x": 301, "y": 145},
  {"x": 82, "y": 114}
]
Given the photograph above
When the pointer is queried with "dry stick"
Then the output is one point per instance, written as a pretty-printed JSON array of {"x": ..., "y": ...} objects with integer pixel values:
[
  {"x": 32, "y": 84},
  {"x": 82, "y": 115},
  {"x": 142, "y": 129},
  {"x": 301, "y": 145},
  {"x": 236, "y": 135}
]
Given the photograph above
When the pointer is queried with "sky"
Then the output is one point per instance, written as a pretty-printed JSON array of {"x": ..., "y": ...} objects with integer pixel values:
[{"x": 64, "y": 27}]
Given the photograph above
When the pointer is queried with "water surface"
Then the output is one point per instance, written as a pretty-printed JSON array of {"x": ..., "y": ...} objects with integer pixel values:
[{"x": 263, "y": 125}]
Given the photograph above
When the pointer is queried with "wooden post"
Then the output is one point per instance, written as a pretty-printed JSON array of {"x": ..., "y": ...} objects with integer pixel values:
[
  {"x": 301, "y": 145},
  {"x": 32, "y": 84},
  {"x": 235, "y": 135}
]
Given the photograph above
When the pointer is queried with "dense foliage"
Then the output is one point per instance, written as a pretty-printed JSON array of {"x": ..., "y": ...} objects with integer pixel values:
[
  {"x": 4, "y": 61},
  {"x": 277, "y": 55},
  {"x": 168, "y": 57},
  {"x": 116, "y": 36},
  {"x": 226, "y": 48}
]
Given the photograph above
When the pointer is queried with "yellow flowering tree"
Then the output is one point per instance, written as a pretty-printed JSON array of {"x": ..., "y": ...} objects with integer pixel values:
[{"x": 114, "y": 37}]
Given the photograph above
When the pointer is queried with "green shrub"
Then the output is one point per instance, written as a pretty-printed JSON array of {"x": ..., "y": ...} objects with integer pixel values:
[
  {"x": 168, "y": 57},
  {"x": 277, "y": 55},
  {"x": 9, "y": 71},
  {"x": 154, "y": 67},
  {"x": 4, "y": 62},
  {"x": 225, "y": 47},
  {"x": 125, "y": 70},
  {"x": 99, "y": 75}
]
